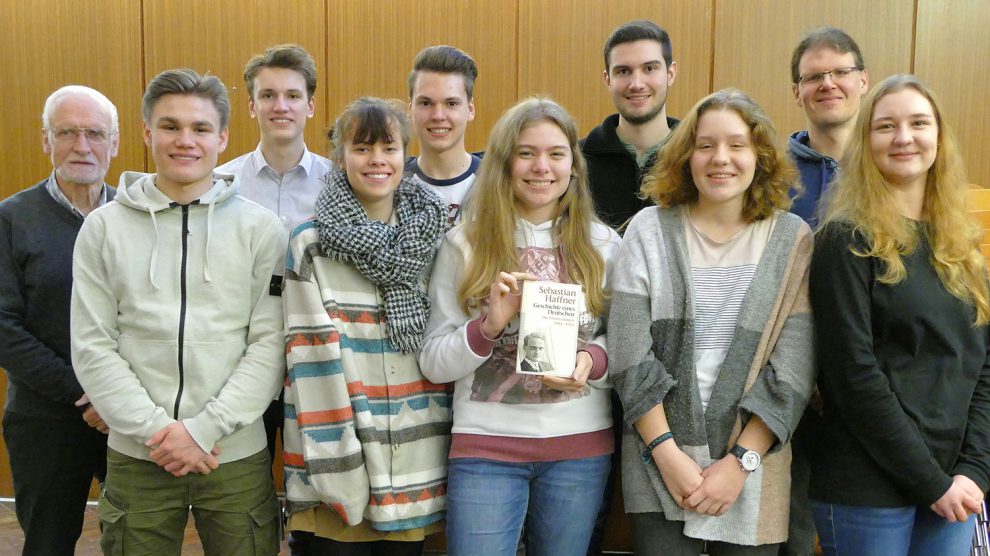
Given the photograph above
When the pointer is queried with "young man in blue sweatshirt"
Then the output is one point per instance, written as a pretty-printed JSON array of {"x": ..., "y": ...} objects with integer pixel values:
[{"x": 828, "y": 80}]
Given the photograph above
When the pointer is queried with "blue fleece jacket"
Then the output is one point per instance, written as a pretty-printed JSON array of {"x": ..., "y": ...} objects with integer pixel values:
[{"x": 817, "y": 171}]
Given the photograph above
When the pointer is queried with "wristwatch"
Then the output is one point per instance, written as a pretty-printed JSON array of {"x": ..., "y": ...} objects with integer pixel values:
[{"x": 748, "y": 459}]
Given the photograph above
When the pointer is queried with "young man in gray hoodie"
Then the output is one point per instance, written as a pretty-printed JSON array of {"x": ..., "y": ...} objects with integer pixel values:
[{"x": 177, "y": 339}]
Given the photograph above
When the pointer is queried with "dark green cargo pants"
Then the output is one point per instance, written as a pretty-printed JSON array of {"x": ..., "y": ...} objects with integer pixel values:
[{"x": 144, "y": 509}]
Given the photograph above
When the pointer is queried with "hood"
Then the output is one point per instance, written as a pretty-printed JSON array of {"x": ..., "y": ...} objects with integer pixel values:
[
  {"x": 798, "y": 146},
  {"x": 137, "y": 190}
]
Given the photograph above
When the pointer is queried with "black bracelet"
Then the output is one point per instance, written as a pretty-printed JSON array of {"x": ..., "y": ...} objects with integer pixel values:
[{"x": 648, "y": 454}]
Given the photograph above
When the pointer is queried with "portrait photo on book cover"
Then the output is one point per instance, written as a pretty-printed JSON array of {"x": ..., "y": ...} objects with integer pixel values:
[
  {"x": 536, "y": 355},
  {"x": 549, "y": 322}
]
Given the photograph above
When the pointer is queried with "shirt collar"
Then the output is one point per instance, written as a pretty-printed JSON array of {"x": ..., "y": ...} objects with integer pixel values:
[
  {"x": 258, "y": 162},
  {"x": 60, "y": 198}
]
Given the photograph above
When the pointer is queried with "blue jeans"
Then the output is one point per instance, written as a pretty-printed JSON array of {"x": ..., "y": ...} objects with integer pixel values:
[
  {"x": 488, "y": 501},
  {"x": 907, "y": 530}
]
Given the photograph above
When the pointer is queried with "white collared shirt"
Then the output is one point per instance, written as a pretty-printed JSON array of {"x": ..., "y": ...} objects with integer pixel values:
[{"x": 292, "y": 196}]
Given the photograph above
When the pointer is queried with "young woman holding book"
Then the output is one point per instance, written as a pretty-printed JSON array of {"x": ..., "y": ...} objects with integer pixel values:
[
  {"x": 525, "y": 448},
  {"x": 899, "y": 292},
  {"x": 710, "y": 337},
  {"x": 366, "y": 436}
]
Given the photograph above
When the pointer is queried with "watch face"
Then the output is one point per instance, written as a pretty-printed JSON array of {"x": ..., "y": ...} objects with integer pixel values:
[{"x": 750, "y": 460}]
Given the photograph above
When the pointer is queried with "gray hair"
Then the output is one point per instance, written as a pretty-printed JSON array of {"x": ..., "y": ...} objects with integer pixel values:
[{"x": 71, "y": 90}]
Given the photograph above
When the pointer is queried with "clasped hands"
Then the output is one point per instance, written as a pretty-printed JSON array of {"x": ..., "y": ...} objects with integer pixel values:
[
  {"x": 174, "y": 450},
  {"x": 963, "y": 499},
  {"x": 709, "y": 491}
]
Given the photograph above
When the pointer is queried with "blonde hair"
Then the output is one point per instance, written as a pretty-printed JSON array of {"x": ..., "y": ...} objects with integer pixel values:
[
  {"x": 491, "y": 216},
  {"x": 864, "y": 198},
  {"x": 670, "y": 183}
]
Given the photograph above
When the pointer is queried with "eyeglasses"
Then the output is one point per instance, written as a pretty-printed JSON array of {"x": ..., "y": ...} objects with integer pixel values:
[
  {"x": 837, "y": 74},
  {"x": 96, "y": 136}
]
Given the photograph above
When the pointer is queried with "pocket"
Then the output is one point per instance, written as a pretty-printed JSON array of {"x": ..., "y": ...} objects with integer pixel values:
[
  {"x": 113, "y": 520},
  {"x": 264, "y": 524}
]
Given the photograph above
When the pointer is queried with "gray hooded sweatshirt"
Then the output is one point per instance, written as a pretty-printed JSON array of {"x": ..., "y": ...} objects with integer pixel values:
[{"x": 172, "y": 318}]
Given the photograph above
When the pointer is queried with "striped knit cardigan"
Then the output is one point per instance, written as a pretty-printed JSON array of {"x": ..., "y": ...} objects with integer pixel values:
[
  {"x": 364, "y": 433},
  {"x": 768, "y": 370}
]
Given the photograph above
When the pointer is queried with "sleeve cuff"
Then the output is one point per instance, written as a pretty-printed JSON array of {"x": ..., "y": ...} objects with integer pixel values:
[
  {"x": 479, "y": 344},
  {"x": 930, "y": 491},
  {"x": 204, "y": 430},
  {"x": 974, "y": 473},
  {"x": 599, "y": 359}
]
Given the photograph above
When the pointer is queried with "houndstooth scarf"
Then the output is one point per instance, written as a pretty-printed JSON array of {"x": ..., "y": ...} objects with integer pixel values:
[{"x": 393, "y": 258}]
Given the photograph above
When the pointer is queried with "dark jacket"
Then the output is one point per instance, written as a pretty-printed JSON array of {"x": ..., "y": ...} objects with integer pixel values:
[{"x": 613, "y": 174}]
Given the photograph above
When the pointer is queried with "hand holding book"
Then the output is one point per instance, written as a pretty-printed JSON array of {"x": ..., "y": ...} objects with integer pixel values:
[
  {"x": 549, "y": 319},
  {"x": 503, "y": 302},
  {"x": 577, "y": 381}
]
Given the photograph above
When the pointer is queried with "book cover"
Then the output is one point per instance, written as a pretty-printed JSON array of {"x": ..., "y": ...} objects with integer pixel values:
[{"x": 549, "y": 316}]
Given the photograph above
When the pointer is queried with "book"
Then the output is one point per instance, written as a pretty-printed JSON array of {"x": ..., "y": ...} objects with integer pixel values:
[{"x": 549, "y": 316}]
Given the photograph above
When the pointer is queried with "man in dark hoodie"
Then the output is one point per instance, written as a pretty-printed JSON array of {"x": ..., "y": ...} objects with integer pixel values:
[
  {"x": 56, "y": 440},
  {"x": 639, "y": 67},
  {"x": 828, "y": 79}
]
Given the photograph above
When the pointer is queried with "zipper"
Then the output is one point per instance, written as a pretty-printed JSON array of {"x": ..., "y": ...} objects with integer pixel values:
[{"x": 182, "y": 305}]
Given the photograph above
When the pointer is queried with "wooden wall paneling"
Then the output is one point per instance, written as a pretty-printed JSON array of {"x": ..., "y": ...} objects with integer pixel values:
[
  {"x": 754, "y": 41},
  {"x": 950, "y": 56},
  {"x": 51, "y": 43},
  {"x": 371, "y": 46},
  {"x": 220, "y": 37},
  {"x": 561, "y": 51}
]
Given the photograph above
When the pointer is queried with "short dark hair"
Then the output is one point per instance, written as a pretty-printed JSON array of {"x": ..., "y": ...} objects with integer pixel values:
[
  {"x": 829, "y": 37},
  {"x": 186, "y": 82},
  {"x": 368, "y": 120},
  {"x": 639, "y": 30},
  {"x": 445, "y": 59},
  {"x": 288, "y": 56}
]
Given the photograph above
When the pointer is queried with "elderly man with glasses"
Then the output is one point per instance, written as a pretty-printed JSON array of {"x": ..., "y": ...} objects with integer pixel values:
[{"x": 55, "y": 439}]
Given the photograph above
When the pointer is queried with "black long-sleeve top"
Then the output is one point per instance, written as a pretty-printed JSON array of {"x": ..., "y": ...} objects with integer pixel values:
[{"x": 904, "y": 376}]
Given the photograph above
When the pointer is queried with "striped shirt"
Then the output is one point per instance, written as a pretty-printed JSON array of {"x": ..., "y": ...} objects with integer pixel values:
[{"x": 721, "y": 273}]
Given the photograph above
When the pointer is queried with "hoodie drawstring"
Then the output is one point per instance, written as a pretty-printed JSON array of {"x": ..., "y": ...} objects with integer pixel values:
[
  {"x": 154, "y": 250},
  {"x": 209, "y": 235}
]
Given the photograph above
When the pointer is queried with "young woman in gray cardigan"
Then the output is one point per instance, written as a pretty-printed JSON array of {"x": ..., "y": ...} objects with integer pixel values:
[{"x": 710, "y": 337}]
